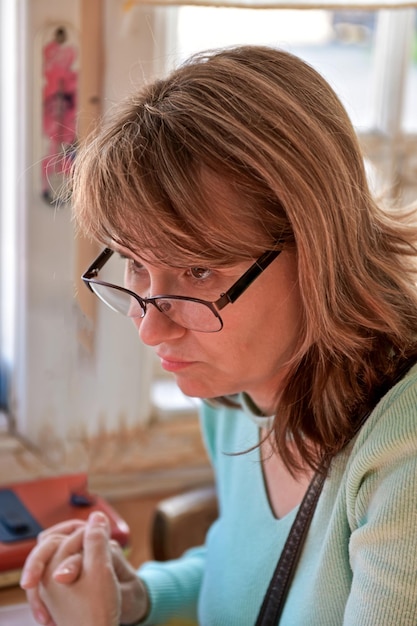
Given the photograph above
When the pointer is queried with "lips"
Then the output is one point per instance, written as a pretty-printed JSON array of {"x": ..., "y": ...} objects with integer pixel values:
[{"x": 174, "y": 364}]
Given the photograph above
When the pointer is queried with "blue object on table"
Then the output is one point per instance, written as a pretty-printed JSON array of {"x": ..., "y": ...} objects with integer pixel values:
[{"x": 16, "y": 522}]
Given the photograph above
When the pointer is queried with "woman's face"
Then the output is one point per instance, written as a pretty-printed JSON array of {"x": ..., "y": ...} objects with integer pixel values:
[
  {"x": 260, "y": 329},
  {"x": 259, "y": 335}
]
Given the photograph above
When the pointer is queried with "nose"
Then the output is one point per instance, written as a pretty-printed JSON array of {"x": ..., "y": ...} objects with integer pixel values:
[{"x": 156, "y": 328}]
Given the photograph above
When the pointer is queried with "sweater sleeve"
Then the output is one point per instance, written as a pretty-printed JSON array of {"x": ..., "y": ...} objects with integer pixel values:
[
  {"x": 174, "y": 586},
  {"x": 382, "y": 505}
]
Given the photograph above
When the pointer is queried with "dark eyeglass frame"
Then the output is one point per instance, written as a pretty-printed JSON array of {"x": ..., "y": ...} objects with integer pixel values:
[{"x": 230, "y": 296}]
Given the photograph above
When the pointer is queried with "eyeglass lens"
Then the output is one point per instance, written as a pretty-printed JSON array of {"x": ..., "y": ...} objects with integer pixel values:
[{"x": 187, "y": 313}]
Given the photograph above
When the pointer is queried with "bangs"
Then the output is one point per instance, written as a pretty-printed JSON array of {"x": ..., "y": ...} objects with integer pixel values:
[{"x": 148, "y": 193}]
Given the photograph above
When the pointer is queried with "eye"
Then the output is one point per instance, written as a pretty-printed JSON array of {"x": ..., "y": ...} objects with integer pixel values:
[
  {"x": 133, "y": 266},
  {"x": 200, "y": 273},
  {"x": 135, "y": 276},
  {"x": 136, "y": 266}
]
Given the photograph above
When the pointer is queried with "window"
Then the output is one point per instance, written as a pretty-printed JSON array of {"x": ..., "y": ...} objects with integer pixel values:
[
  {"x": 328, "y": 40},
  {"x": 342, "y": 45},
  {"x": 369, "y": 57},
  {"x": 410, "y": 109}
]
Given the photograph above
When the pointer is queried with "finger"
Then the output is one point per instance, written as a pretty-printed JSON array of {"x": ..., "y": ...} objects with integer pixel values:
[
  {"x": 63, "y": 528},
  {"x": 71, "y": 544},
  {"x": 116, "y": 549},
  {"x": 43, "y": 552},
  {"x": 37, "y": 561},
  {"x": 69, "y": 570},
  {"x": 96, "y": 540},
  {"x": 38, "y": 609},
  {"x": 122, "y": 568}
]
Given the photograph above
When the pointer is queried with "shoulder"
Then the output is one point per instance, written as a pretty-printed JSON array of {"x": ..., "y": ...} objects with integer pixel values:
[
  {"x": 382, "y": 461},
  {"x": 392, "y": 424}
]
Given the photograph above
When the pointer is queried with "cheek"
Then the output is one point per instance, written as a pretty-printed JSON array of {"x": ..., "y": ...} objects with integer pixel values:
[
  {"x": 274, "y": 332},
  {"x": 275, "y": 307}
]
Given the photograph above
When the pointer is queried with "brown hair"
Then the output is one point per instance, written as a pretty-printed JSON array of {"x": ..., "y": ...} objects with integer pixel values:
[{"x": 272, "y": 128}]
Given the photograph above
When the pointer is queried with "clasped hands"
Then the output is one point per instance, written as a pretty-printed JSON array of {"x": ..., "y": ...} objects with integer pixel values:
[{"x": 77, "y": 575}]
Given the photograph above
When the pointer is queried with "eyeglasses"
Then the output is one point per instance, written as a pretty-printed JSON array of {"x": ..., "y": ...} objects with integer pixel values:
[{"x": 191, "y": 313}]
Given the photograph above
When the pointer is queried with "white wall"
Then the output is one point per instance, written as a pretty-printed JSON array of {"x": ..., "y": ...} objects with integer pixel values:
[{"x": 61, "y": 390}]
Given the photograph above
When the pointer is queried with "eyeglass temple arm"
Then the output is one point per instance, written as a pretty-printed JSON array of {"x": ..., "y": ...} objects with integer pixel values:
[
  {"x": 247, "y": 279},
  {"x": 96, "y": 266}
]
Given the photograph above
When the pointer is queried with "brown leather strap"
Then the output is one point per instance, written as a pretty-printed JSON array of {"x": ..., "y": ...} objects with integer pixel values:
[{"x": 274, "y": 600}]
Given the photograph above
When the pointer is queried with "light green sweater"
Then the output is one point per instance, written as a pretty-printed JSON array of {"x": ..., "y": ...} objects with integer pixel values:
[{"x": 359, "y": 563}]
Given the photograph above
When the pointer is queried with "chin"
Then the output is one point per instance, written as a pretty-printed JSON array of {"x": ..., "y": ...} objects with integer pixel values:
[
  {"x": 197, "y": 389},
  {"x": 194, "y": 391}
]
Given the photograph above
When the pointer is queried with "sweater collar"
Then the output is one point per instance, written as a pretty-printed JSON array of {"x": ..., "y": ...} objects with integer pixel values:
[{"x": 254, "y": 413}]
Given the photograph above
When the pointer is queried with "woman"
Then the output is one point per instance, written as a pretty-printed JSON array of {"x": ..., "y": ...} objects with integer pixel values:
[{"x": 244, "y": 159}]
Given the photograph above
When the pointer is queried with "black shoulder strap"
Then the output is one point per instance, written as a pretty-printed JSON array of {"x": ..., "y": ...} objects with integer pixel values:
[{"x": 273, "y": 603}]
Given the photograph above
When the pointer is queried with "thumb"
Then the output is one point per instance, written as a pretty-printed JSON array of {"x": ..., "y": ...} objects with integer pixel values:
[{"x": 96, "y": 539}]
